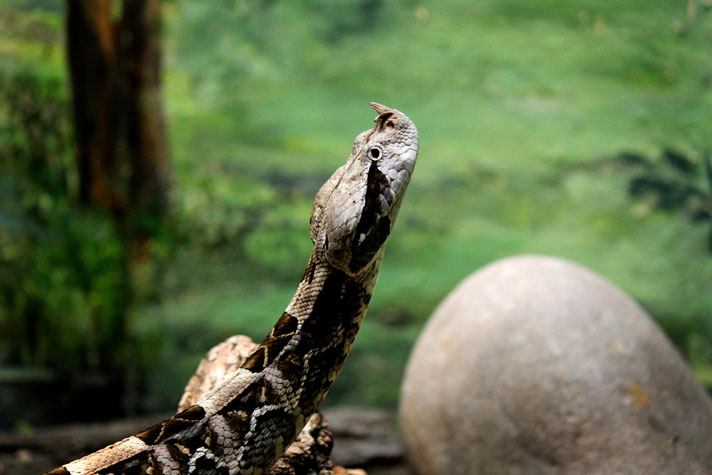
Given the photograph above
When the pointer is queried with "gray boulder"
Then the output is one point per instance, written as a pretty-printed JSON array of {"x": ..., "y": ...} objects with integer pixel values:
[{"x": 535, "y": 365}]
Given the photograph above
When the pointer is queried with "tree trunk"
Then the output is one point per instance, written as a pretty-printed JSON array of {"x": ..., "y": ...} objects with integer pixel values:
[
  {"x": 91, "y": 52},
  {"x": 144, "y": 126},
  {"x": 113, "y": 48},
  {"x": 122, "y": 152}
]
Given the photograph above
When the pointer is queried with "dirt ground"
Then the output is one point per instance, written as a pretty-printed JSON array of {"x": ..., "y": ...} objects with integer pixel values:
[{"x": 363, "y": 438}]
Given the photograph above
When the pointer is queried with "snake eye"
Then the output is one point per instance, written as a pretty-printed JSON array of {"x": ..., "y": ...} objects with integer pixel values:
[{"x": 375, "y": 153}]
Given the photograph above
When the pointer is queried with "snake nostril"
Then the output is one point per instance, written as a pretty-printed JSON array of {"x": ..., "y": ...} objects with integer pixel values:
[{"x": 375, "y": 153}]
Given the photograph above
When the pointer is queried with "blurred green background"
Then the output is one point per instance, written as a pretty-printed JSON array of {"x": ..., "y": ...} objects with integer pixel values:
[{"x": 577, "y": 129}]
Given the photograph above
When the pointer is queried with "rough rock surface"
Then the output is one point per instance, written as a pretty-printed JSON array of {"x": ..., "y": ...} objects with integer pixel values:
[{"x": 535, "y": 365}]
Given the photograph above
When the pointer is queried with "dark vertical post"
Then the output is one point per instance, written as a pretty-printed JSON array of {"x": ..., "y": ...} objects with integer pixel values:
[{"x": 91, "y": 52}]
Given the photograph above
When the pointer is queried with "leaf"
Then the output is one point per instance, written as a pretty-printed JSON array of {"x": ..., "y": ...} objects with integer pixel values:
[
  {"x": 671, "y": 194},
  {"x": 679, "y": 161},
  {"x": 634, "y": 158},
  {"x": 700, "y": 215},
  {"x": 641, "y": 185},
  {"x": 708, "y": 168},
  {"x": 676, "y": 197}
]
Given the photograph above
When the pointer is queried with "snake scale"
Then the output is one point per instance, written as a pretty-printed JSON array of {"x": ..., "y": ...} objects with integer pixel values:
[{"x": 247, "y": 423}]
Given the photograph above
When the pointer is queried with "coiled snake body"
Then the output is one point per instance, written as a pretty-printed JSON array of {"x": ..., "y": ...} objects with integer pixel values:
[{"x": 245, "y": 425}]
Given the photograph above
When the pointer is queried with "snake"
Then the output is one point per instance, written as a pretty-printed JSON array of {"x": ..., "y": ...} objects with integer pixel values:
[{"x": 244, "y": 426}]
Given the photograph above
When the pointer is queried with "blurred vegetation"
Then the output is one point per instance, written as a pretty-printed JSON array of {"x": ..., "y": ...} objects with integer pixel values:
[
  {"x": 675, "y": 182},
  {"x": 57, "y": 263},
  {"x": 519, "y": 105}
]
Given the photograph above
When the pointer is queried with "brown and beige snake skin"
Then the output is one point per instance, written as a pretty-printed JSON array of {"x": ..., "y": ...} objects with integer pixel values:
[{"x": 245, "y": 425}]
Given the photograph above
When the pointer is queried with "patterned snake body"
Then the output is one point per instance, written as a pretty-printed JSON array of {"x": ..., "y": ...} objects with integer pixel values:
[{"x": 246, "y": 424}]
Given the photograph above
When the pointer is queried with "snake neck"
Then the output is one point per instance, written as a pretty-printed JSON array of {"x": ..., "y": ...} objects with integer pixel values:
[
  {"x": 285, "y": 379},
  {"x": 246, "y": 424},
  {"x": 312, "y": 339}
]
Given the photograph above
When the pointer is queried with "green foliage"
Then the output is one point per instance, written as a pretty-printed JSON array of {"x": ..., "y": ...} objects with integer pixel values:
[
  {"x": 60, "y": 280},
  {"x": 219, "y": 208},
  {"x": 676, "y": 182},
  {"x": 333, "y": 20},
  {"x": 222, "y": 209},
  {"x": 281, "y": 241},
  {"x": 519, "y": 106}
]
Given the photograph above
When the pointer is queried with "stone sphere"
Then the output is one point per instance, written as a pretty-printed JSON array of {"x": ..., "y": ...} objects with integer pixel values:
[{"x": 536, "y": 365}]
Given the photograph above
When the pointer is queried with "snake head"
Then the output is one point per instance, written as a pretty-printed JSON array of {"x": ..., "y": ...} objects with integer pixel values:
[{"x": 355, "y": 209}]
